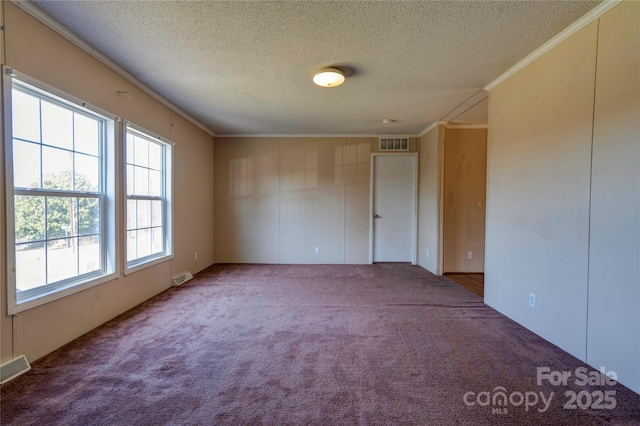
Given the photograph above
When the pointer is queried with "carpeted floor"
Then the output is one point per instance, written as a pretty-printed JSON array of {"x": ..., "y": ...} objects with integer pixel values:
[{"x": 386, "y": 344}]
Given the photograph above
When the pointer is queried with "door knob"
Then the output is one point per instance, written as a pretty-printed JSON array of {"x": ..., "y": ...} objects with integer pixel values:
[{"x": 376, "y": 216}]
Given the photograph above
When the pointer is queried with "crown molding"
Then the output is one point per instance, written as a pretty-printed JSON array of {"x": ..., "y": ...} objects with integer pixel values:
[
  {"x": 480, "y": 96},
  {"x": 467, "y": 126},
  {"x": 589, "y": 17},
  {"x": 56, "y": 26},
  {"x": 317, "y": 135},
  {"x": 430, "y": 128},
  {"x": 389, "y": 136}
]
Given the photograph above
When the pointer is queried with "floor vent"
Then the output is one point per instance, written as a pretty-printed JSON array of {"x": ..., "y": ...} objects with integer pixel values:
[
  {"x": 13, "y": 368},
  {"x": 394, "y": 144},
  {"x": 182, "y": 278}
]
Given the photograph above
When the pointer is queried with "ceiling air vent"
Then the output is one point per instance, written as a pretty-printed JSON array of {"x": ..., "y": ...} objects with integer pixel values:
[{"x": 394, "y": 144}]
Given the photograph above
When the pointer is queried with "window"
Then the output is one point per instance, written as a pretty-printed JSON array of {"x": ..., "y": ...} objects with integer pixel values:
[
  {"x": 60, "y": 208},
  {"x": 148, "y": 208}
]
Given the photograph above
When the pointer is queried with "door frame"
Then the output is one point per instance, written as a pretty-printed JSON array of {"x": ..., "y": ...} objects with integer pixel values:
[{"x": 414, "y": 233}]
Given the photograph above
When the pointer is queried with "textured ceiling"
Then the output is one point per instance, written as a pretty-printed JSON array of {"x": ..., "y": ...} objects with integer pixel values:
[{"x": 245, "y": 67}]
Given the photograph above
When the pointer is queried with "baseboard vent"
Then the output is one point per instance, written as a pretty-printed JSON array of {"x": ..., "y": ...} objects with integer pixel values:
[
  {"x": 182, "y": 278},
  {"x": 13, "y": 368}
]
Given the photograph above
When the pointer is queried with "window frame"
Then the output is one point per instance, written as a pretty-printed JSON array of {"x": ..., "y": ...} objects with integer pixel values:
[
  {"x": 107, "y": 194},
  {"x": 167, "y": 199}
]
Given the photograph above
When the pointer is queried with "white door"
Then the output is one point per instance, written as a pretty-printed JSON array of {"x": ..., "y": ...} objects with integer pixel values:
[{"x": 394, "y": 208}]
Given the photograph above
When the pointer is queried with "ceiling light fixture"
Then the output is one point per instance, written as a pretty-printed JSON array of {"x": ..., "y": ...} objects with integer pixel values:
[
  {"x": 328, "y": 77},
  {"x": 388, "y": 120}
]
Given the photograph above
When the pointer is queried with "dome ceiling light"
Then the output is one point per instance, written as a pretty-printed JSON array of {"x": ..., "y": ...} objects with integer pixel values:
[{"x": 328, "y": 77}]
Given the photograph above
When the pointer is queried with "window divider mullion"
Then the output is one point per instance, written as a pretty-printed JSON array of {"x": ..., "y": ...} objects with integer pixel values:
[
  {"x": 41, "y": 144},
  {"x": 46, "y": 240}
]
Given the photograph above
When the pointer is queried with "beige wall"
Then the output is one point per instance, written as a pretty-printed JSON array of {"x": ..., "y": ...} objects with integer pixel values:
[
  {"x": 429, "y": 182},
  {"x": 465, "y": 172},
  {"x": 312, "y": 200},
  {"x": 37, "y": 51},
  {"x": 277, "y": 199},
  {"x": 542, "y": 190},
  {"x": 193, "y": 196},
  {"x": 356, "y": 214},
  {"x": 247, "y": 205},
  {"x": 613, "y": 333},
  {"x": 538, "y": 192}
]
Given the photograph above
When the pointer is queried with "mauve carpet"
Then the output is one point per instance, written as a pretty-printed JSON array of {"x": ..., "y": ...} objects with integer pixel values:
[{"x": 386, "y": 344}]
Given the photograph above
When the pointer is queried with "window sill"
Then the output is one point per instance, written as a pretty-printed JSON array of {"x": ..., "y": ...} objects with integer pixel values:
[
  {"x": 152, "y": 262},
  {"x": 72, "y": 289}
]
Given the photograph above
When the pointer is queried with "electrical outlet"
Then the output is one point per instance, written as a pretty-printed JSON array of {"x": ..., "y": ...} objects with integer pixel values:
[
  {"x": 470, "y": 255},
  {"x": 532, "y": 300},
  {"x": 427, "y": 253},
  {"x": 195, "y": 256},
  {"x": 317, "y": 250}
]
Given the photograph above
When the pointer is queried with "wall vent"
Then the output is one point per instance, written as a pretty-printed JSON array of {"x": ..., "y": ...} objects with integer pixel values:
[
  {"x": 182, "y": 278},
  {"x": 14, "y": 368},
  {"x": 394, "y": 144}
]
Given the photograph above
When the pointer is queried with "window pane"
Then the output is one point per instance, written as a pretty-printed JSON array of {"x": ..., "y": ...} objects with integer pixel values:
[
  {"x": 130, "y": 156},
  {"x": 87, "y": 173},
  {"x": 56, "y": 168},
  {"x": 89, "y": 254},
  {"x": 62, "y": 259},
  {"x": 155, "y": 156},
  {"x": 144, "y": 214},
  {"x": 130, "y": 179},
  {"x": 156, "y": 213},
  {"x": 155, "y": 183},
  {"x": 141, "y": 181},
  {"x": 86, "y": 134},
  {"x": 141, "y": 147},
  {"x": 26, "y": 165},
  {"x": 30, "y": 266},
  {"x": 61, "y": 217},
  {"x": 131, "y": 214},
  {"x": 29, "y": 218},
  {"x": 57, "y": 126},
  {"x": 26, "y": 116},
  {"x": 132, "y": 244},
  {"x": 144, "y": 242},
  {"x": 88, "y": 216},
  {"x": 157, "y": 243}
]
